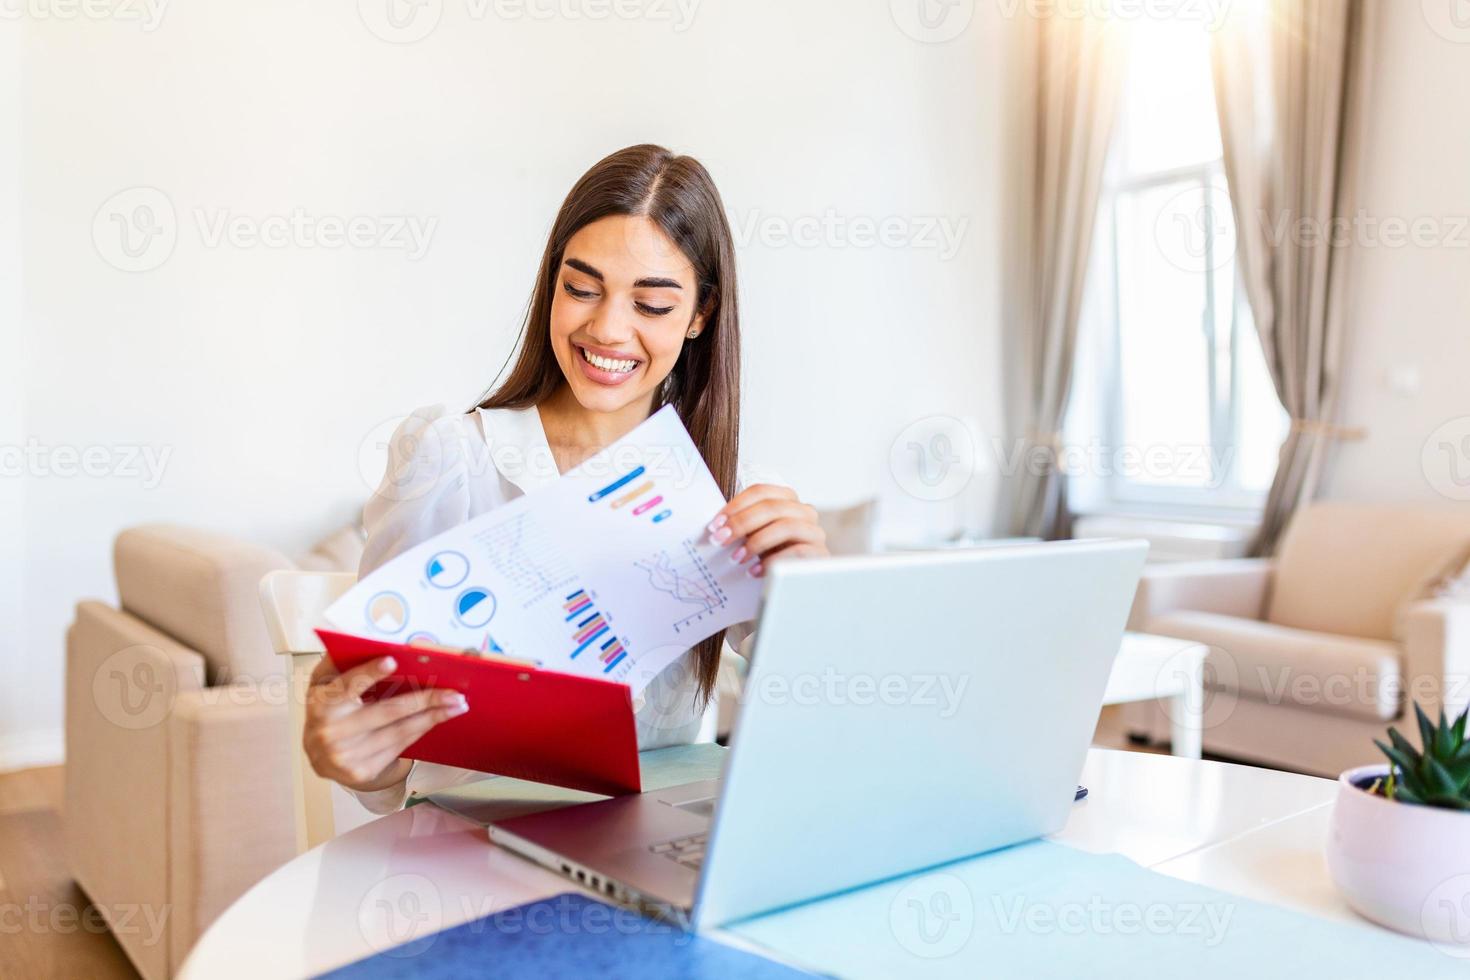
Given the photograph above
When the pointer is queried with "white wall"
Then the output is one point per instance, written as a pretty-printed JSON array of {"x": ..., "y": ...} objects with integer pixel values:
[
  {"x": 1409, "y": 306},
  {"x": 261, "y": 371},
  {"x": 18, "y": 742}
]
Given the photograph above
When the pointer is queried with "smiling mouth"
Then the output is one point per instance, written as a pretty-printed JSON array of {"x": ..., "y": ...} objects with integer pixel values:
[{"x": 611, "y": 365}]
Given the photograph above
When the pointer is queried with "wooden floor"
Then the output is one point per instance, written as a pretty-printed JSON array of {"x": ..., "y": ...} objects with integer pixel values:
[{"x": 46, "y": 930}]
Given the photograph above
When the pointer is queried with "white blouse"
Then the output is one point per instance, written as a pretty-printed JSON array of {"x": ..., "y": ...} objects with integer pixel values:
[{"x": 444, "y": 469}]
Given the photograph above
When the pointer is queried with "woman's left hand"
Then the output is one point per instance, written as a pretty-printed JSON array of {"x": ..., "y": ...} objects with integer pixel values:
[{"x": 765, "y": 523}]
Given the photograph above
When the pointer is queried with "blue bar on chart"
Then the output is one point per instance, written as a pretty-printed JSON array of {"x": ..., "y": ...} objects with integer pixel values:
[{"x": 616, "y": 485}]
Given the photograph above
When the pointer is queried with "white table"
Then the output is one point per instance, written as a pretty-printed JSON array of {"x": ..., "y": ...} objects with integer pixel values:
[
  {"x": 1252, "y": 832},
  {"x": 1162, "y": 668}
]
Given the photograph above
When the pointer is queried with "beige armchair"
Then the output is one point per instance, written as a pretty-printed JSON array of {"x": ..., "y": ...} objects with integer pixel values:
[
  {"x": 1316, "y": 652},
  {"x": 178, "y": 793}
]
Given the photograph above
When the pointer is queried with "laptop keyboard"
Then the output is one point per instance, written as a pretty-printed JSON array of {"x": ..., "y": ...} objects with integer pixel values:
[{"x": 688, "y": 851}]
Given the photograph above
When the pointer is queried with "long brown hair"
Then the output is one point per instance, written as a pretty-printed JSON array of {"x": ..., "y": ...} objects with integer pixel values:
[{"x": 677, "y": 194}]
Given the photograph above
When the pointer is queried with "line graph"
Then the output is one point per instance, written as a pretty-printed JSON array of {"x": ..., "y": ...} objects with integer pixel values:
[
  {"x": 685, "y": 577},
  {"x": 522, "y": 552}
]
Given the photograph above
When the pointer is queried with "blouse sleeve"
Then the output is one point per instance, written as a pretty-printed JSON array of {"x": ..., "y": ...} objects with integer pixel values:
[{"x": 424, "y": 491}]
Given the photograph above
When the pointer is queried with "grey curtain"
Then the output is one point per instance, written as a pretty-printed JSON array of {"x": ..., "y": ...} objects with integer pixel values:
[
  {"x": 1075, "y": 64},
  {"x": 1290, "y": 77}
]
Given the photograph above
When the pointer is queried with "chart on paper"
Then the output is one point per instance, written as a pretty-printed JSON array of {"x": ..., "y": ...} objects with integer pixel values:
[{"x": 685, "y": 577}]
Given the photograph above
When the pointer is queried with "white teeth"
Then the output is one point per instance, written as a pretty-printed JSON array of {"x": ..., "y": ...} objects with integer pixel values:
[{"x": 608, "y": 363}]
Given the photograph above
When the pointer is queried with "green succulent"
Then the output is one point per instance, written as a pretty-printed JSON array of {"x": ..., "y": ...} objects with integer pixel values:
[{"x": 1437, "y": 776}]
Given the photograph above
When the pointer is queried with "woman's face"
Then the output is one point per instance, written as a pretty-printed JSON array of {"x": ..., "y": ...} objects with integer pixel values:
[{"x": 623, "y": 306}]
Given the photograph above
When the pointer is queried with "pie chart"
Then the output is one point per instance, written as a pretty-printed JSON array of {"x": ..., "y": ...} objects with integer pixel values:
[
  {"x": 447, "y": 569},
  {"x": 475, "y": 606},
  {"x": 387, "y": 612}
]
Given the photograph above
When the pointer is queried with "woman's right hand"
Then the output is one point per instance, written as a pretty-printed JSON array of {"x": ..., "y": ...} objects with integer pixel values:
[{"x": 358, "y": 744}]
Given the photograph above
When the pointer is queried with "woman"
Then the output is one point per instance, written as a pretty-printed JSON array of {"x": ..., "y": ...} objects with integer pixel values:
[{"x": 634, "y": 307}]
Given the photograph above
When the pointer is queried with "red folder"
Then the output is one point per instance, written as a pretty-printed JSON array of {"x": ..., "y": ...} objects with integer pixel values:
[{"x": 523, "y": 721}]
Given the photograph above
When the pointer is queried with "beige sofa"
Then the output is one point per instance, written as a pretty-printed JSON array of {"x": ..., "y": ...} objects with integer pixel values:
[
  {"x": 177, "y": 754},
  {"x": 1316, "y": 652}
]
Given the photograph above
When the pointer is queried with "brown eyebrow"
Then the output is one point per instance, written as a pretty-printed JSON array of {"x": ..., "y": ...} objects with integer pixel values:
[
  {"x": 581, "y": 266},
  {"x": 648, "y": 282}
]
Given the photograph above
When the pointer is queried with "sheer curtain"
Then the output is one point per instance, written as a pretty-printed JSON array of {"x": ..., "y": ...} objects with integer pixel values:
[
  {"x": 1075, "y": 67},
  {"x": 1290, "y": 77}
]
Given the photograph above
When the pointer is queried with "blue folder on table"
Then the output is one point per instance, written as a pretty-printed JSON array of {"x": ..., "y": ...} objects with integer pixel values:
[{"x": 565, "y": 936}]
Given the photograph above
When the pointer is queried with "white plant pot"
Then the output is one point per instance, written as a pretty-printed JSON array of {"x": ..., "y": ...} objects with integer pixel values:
[{"x": 1402, "y": 865}]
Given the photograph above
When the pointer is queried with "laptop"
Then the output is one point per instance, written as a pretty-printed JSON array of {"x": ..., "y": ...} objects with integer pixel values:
[{"x": 901, "y": 712}]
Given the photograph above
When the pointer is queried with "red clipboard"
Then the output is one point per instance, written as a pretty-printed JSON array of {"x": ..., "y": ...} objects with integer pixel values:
[{"x": 526, "y": 722}]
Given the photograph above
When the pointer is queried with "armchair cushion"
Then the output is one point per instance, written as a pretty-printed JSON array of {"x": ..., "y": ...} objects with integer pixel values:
[
  {"x": 201, "y": 588},
  {"x": 1346, "y": 568},
  {"x": 1281, "y": 665}
]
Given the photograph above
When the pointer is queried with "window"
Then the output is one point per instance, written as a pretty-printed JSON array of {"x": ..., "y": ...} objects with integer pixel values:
[{"x": 1172, "y": 386}]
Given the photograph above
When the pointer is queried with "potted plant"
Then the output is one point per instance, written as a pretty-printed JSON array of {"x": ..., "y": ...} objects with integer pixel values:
[{"x": 1399, "y": 846}]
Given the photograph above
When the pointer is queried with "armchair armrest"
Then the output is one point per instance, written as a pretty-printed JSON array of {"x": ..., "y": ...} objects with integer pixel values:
[
  {"x": 123, "y": 679},
  {"x": 230, "y": 816},
  {"x": 1437, "y": 655},
  {"x": 1231, "y": 587}
]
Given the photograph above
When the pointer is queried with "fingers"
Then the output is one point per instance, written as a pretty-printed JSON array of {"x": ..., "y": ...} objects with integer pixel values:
[
  {"x": 360, "y": 748},
  {"x": 759, "y": 513},
  {"x": 390, "y": 741},
  {"x": 750, "y": 495},
  {"x": 780, "y": 534},
  {"x": 381, "y": 714},
  {"x": 356, "y": 681}
]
